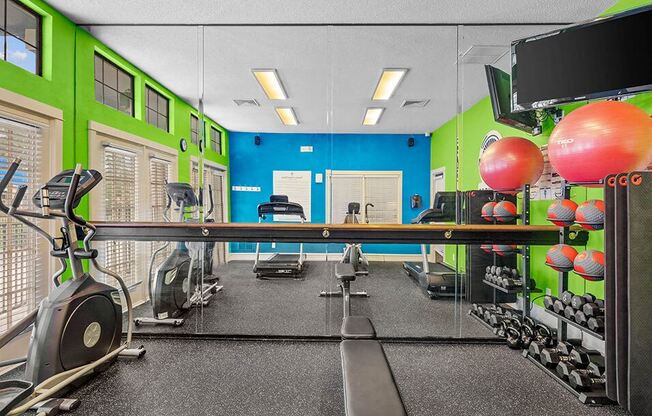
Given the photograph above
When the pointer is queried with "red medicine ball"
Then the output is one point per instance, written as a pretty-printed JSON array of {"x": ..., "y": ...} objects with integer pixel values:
[
  {"x": 590, "y": 215},
  {"x": 505, "y": 211},
  {"x": 562, "y": 212},
  {"x": 560, "y": 257},
  {"x": 487, "y": 212},
  {"x": 590, "y": 265}
]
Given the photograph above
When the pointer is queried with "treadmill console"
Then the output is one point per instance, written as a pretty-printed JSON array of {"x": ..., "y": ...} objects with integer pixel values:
[{"x": 58, "y": 188}]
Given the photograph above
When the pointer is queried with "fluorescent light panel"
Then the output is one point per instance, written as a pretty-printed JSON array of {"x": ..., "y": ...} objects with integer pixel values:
[
  {"x": 270, "y": 83},
  {"x": 287, "y": 116},
  {"x": 388, "y": 82},
  {"x": 372, "y": 116}
]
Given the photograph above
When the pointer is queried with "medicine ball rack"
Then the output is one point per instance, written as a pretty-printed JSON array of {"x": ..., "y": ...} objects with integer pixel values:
[{"x": 598, "y": 397}]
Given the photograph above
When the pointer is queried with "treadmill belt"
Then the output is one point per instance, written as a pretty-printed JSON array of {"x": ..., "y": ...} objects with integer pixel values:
[{"x": 290, "y": 259}]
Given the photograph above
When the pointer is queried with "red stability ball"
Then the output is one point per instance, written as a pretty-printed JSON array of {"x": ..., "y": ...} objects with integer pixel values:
[
  {"x": 590, "y": 265},
  {"x": 562, "y": 212},
  {"x": 601, "y": 138},
  {"x": 561, "y": 257},
  {"x": 487, "y": 212},
  {"x": 590, "y": 215},
  {"x": 505, "y": 211},
  {"x": 510, "y": 163}
]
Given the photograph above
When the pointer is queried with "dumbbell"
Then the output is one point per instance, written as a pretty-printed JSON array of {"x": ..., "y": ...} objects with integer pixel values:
[
  {"x": 564, "y": 369},
  {"x": 537, "y": 348},
  {"x": 596, "y": 324},
  {"x": 578, "y": 356},
  {"x": 543, "y": 338},
  {"x": 567, "y": 297},
  {"x": 549, "y": 301},
  {"x": 593, "y": 309},
  {"x": 578, "y": 301},
  {"x": 569, "y": 312},
  {"x": 580, "y": 318},
  {"x": 558, "y": 307},
  {"x": 582, "y": 381}
]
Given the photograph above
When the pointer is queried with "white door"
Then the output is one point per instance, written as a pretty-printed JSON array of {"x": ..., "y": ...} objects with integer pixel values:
[
  {"x": 216, "y": 178},
  {"x": 437, "y": 184}
]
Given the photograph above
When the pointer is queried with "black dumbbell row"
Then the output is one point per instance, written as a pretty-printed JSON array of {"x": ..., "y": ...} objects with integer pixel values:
[
  {"x": 585, "y": 310},
  {"x": 583, "y": 369},
  {"x": 505, "y": 277}
]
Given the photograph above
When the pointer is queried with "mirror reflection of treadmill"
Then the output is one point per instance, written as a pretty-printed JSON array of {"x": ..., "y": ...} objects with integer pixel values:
[
  {"x": 436, "y": 279},
  {"x": 280, "y": 265}
]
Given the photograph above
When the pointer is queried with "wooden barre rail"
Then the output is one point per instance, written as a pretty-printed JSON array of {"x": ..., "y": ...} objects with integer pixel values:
[{"x": 336, "y": 233}]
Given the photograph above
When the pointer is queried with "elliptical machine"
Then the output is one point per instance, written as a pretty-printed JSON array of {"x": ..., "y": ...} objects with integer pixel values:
[
  {"x": 77, "y": 328},
  {"x": 176, "y": 286}
]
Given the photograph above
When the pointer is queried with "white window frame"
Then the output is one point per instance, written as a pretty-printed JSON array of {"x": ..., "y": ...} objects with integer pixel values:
[
  {"x": 364, "y": 173},
  {"x": 100, "y": 135},
  {"x": 18, "y": 107}
]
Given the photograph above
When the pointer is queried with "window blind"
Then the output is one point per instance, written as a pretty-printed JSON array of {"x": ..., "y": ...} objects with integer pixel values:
[
  {"x": 23, "y": 261},
  {"x": 121, "y": 204}
]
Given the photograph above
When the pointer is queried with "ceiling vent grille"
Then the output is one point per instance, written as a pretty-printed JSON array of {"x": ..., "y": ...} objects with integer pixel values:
[
  {"x": 249, "y": 102},
  {"x": 415, "y": 103},
  {"x": 483, "y": 54}
]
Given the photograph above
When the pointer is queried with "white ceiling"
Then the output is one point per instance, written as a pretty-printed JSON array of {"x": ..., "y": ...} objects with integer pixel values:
[
  {"x": 329, "y": 72},
  {"x": 329, "y": 11}
]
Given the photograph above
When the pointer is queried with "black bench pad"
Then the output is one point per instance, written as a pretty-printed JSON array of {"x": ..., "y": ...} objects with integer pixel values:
[
  {"x": 344, "y": 272},
  {"x": 369, "y": 387},
  {"x": 357, "y": 327}
]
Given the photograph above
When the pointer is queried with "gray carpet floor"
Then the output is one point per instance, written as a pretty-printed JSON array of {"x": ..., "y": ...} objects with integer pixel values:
[
  {"x": 397, "y": 306},
  {"x": 209, "y": 377}
]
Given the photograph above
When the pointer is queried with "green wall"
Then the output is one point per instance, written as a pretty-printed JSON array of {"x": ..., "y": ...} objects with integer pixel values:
[{"x": 67, "y": 83}]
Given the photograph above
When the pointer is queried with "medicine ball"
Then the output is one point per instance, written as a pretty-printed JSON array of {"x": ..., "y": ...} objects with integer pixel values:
[
  {"x": 590, "y": 215},
  {"x": 590, "y": 265},
  {"x": 562, "y": 212},
  {"x": 560, "y": 257},
  {"x": 487, "y": 212},
  {"x": 505, "y": 211}
]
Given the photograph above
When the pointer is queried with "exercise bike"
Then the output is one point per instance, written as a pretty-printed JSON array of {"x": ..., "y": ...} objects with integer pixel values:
[
  {"x": 177, "y": 286},
  {"x": 77, "y": 328}
]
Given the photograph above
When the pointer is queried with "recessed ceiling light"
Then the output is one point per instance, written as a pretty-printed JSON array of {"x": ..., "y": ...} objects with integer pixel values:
[
  {"x": 372, "y": 116},
  {"x": 270, "y": 83},
  {"x": 287, "y": 116},
  {"x": 388, "y": 82}
]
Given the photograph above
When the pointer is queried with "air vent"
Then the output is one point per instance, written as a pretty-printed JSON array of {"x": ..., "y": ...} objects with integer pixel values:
[
  {"x": 483, "y": 54},
  {"x": 415, "y": 103},
  {"x": 249, "y": 102}
]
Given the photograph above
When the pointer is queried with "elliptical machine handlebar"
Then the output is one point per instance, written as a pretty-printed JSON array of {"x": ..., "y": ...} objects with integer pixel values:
[
  {"x": 70, "y": 198},
  {"x": 20, "y": 194},
  {"x": 11, "y": 171}
]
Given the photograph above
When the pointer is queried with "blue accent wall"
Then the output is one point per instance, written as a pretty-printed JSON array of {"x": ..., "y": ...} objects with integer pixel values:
[{"x": 253, "y": 166}]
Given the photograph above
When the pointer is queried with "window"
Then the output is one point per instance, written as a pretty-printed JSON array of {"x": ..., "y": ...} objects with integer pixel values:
[
  {"x": 194, "y": 129},
  {"x": 121, "y": 204},
  {"x": 20, "y": 36},
  {"x": 157, "y": 109},
  {"x": 380, "y": 188},
  {"x": 23, "y": 259},
  {"x": 216, "y": 140},
  {"x": 113, "y": 86}
]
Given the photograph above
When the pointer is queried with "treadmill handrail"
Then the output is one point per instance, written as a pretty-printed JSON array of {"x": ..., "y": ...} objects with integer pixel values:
[{"x": 280, "y": 208}]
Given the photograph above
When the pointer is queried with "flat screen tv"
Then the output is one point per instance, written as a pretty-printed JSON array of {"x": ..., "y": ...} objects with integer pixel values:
[
  {"x": 500, "y": 87},
  {"x": 606, "y": 57}
]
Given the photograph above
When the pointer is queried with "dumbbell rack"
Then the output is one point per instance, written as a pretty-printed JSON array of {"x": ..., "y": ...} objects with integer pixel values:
[
  {"x": 525, "y": 252},
  {"x": 591, "y": 398}
]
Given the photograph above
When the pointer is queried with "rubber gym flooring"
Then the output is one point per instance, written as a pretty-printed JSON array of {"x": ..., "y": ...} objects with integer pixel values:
[
  {"x": 397, "y": 306},
  {"x": 217, "y": 377}
]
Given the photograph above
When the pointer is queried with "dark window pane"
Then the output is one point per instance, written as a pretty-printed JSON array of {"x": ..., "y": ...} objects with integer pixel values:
[
  {"x": 110, "y": 75},
  {"x": 2, "y": 15},
  {"x": 124, "y": 84},
  {"x": 110, "y": 97},
  {"x": 151, "y": 117},
  {"x": 151, "y": 98},
  {"x": 98, "y": 91},
  {"x": 21, "y": 54},
  {"x": 162, "y": 105},
  {"x": 194, "y": 138},
  {"x": 162, "y": 122},
  {"x": 22, "y": 23},
  {"x": 98, "y": 68},
  {"x": 194, "y": 121},
  {"x": 124, "y": 104}
]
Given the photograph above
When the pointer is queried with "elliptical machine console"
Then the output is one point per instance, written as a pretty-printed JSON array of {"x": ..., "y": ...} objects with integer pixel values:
[{"x": 77, "y": 328}]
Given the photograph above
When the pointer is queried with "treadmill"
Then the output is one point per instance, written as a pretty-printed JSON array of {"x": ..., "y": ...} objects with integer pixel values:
[
  {"x": 436, "y": 279},
  {"x": 280, "y": 265}
]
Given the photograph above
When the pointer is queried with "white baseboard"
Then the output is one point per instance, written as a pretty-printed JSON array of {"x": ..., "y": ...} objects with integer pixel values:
[{"x": 329, "y": 257}]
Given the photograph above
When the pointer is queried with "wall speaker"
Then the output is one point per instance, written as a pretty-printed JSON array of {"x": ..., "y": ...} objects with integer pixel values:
[
  {"x": 257, "y": 140},
  {"x": 411, "y": 142}
]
